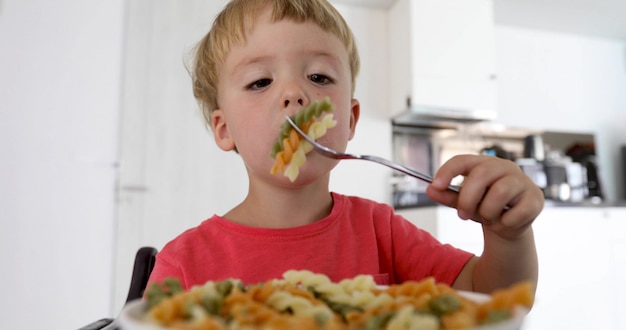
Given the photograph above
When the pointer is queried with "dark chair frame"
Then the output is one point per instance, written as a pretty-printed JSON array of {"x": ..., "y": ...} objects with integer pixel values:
[{"x": 144, "y": 264}]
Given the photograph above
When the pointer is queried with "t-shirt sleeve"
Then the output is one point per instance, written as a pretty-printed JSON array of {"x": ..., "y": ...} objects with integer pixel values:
[
  {"x": 417, "y": 254},
  {"x": 163, "y": 269}
]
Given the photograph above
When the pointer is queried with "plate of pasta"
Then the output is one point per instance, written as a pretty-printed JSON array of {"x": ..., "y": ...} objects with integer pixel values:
[{"x": 307, "y": 300}]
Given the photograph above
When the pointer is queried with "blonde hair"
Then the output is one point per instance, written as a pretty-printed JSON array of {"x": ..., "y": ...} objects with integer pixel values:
[{"x": 238, "y": 17}]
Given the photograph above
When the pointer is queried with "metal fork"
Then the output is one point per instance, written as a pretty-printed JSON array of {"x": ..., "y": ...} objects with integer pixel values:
[{"x": 330, "y": 153}]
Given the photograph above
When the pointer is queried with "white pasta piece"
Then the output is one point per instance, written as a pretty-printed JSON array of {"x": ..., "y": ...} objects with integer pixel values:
[
  {"x": 358, "y": 283},
  {"x": 305, "y": 146},
  {"x": 379, "y": 301},
  {"x": 207, "y": 289},
  {"x": 197, "y": 313},
  {"x": 362, "y": 299},
  {"x": 306, "y": 278},
  {"x": 342, "y": 298},
  {"x": 318, "y": 310},
  {"x": 317, "y": 129},
  {"x": 295, "y": 276},
  {"x": 401, "y": 320},
  {"x": 298, "y": 158},
  {"x": 406, "y": 318},
  {"x": 282, "y": 300},
  {"x": 292, "y": 171},
  {"x": 329, "y": 121},
  {"x": 329, "y": 289}
]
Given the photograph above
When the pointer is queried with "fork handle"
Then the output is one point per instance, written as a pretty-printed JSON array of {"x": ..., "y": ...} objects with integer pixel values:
[
  {"x": 413, "y": 173},
  {"x": 405, "y": 170}
]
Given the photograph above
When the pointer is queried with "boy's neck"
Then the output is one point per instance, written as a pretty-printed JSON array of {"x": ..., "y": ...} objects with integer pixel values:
[{"x": 277, "y": 207}]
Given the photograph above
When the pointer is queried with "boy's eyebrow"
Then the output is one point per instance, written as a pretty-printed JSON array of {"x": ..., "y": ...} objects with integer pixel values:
[
  {"x": 248, "y": 61},
  {"x": 258, "y": 59},
  {"x": 327, "y": 54}
]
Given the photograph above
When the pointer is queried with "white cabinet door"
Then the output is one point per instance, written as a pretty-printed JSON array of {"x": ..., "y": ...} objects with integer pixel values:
[
  {"x": 617, "y": 270},
  {"x": 463, "y": 234},
  {"x": 582, "y": 264},
  {"x": 445, "y": 50},
  {"x": 169, "y": 179},
  {"x": 424, "y": 218},
  {"x": 574, "y": 290}
]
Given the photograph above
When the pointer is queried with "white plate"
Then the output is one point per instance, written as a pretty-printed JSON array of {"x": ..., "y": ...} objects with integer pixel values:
[{"x": 133, "y": 314}]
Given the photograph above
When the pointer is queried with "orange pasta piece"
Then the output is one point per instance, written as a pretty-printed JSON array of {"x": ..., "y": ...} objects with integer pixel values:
[
  {"x": 290, "y": 145},
  {"x": 279, "y": 164}
]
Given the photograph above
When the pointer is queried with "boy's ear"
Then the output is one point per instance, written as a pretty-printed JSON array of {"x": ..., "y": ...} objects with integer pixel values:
[
  {"x": 220, "y": 131},
  {"x": 355, "y": 112}
]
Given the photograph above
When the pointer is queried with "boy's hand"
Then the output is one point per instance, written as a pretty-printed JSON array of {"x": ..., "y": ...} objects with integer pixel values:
[{"x": 490, "y": 185}]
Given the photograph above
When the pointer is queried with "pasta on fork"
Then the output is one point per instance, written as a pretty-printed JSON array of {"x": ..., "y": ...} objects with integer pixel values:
[{"x": 289, "y": 151}]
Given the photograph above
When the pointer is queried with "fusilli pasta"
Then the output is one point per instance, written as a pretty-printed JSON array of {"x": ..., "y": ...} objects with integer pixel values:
[
  {"x": 307, "y": 300},
  {"x": 289, "y": 151}
]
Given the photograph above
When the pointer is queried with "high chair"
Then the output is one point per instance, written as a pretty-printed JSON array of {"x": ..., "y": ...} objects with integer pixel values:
[{"x": 144, "y": 263}]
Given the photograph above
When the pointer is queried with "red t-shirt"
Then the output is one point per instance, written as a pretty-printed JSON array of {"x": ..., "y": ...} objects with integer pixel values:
[{"x": 359, "y": 236}]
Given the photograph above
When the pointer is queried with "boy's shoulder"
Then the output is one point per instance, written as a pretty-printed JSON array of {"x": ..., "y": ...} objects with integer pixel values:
[
  {"x": 357, "y": 203},
  {"x": 189, "y": 238}
]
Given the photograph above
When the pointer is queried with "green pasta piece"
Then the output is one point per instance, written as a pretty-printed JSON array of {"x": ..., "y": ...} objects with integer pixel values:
[
  {"x": 314, "y": 110},
  {"x": 379, "y": 321},
  {"x": 495, "y": 316},
  {"x": 444, "y": 304},
  {"x": 159, "y": 291}
]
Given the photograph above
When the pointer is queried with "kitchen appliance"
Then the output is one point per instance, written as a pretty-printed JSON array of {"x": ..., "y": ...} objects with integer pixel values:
[
  {"x": 557, "y": 187},
  {"x": 584, "y": 153},
  {"x": 534, "y": 147},
  {"x": 412, "y": 148},
  {"x": 534, "y": 169},
  {"x": 576, "y": 175},
  {"x": 566, "y": 180}
]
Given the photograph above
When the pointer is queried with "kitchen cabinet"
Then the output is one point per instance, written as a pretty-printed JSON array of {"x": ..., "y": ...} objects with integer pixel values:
[
  {"x": 582, "y": 262},
  {"x": 442, "y": 58}
]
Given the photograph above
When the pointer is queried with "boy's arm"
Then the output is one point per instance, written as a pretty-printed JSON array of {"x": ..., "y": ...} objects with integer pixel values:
[
  {"x": 490, "y": 185},
  {"x": 502, "y": 264}
]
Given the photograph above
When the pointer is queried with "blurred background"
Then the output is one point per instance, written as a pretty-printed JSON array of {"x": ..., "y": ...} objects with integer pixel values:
[{"x": 104, "y": 149}]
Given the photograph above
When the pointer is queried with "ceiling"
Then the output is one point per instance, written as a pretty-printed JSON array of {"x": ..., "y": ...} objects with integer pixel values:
[{"x": 598, "y": 18}]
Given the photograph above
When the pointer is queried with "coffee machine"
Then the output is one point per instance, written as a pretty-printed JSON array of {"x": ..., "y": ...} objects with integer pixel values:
[
  {"x": 570, "y": 176},
  {"x": 585, "y": 155}
]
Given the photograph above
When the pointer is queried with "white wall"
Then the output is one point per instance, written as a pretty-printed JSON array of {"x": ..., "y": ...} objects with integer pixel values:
[
  {"x": 373, "y": 134},
  {"x": 565, "y": 82},
  {"x": 60, "y": 65}
]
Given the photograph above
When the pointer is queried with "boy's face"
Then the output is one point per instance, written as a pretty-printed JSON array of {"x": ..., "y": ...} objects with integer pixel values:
[{"x": 281, "y": 68}]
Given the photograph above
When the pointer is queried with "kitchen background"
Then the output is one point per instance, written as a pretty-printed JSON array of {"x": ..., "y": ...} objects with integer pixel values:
[{"x": 104, "y": 149}]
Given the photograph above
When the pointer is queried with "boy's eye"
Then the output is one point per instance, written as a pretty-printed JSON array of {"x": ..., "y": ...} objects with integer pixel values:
[
  {"x": 320, "y": 79},
  {"x": 259, "y": 84}
]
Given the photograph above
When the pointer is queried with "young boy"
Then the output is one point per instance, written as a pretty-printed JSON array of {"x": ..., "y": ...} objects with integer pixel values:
[{"x": 263, "y": 60}]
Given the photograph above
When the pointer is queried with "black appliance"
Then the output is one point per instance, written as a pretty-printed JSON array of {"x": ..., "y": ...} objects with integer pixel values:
[{"x": 585, "y": 154}]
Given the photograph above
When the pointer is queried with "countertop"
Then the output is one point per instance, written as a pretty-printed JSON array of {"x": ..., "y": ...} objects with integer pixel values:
[
  {"x": 587, "y": 203},
  {"x": 548, "y": 203}
]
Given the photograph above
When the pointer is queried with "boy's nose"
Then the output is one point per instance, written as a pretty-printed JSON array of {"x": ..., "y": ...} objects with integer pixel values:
[
  {"x": 294, "y": 96},
  {"x": 298, "y": 101}
]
